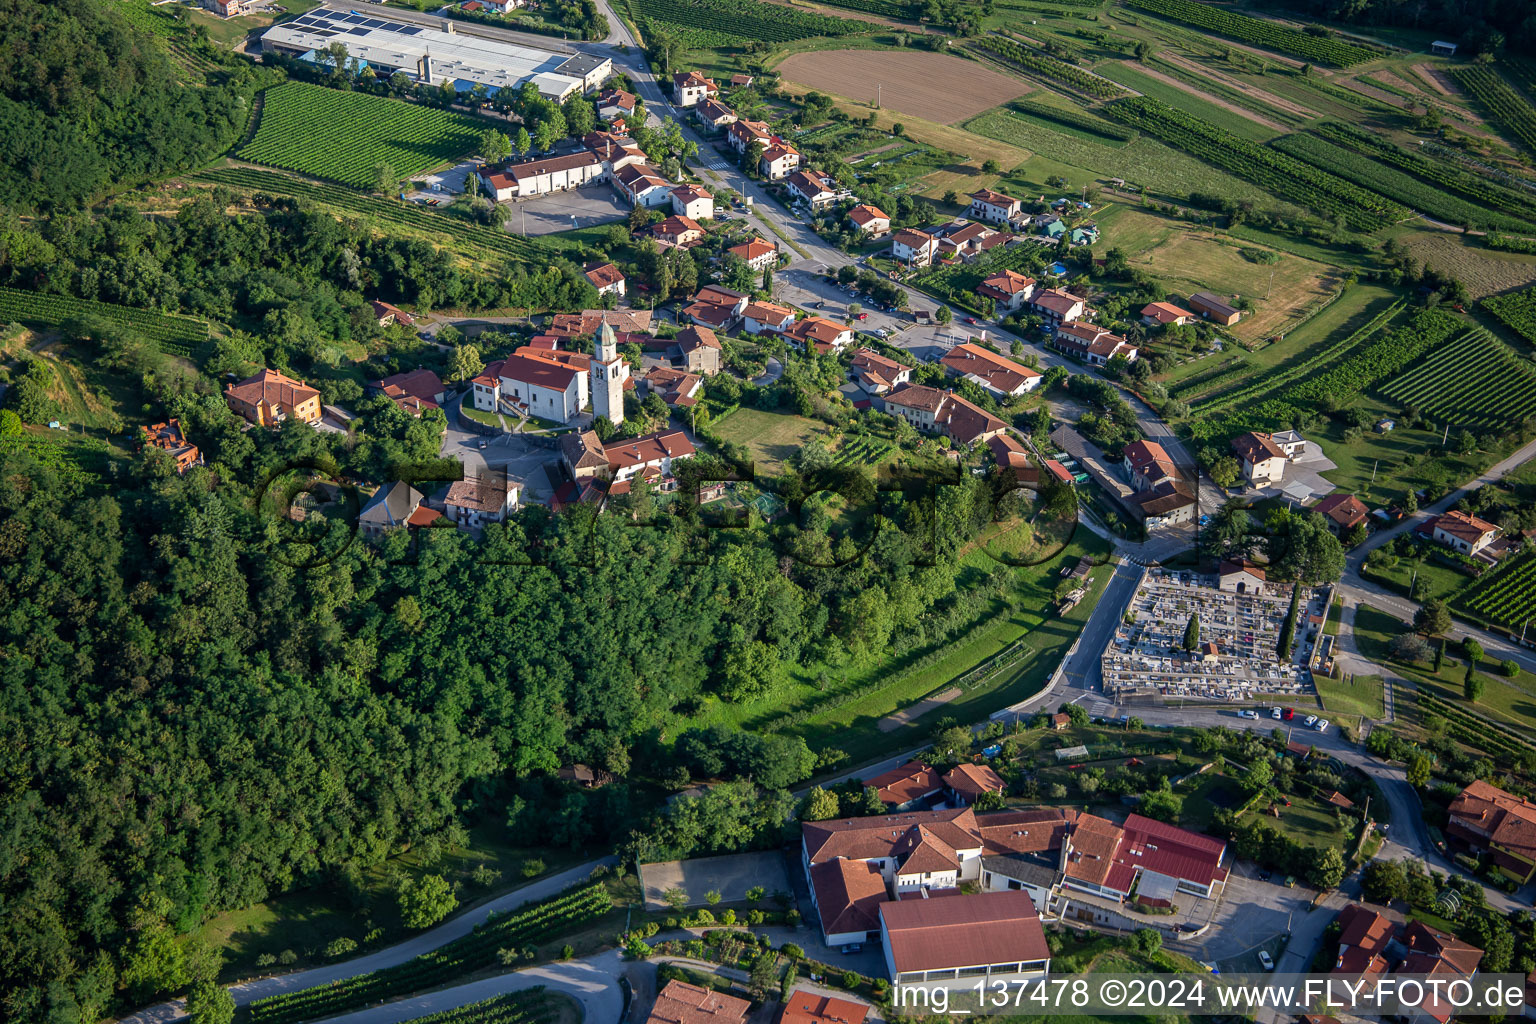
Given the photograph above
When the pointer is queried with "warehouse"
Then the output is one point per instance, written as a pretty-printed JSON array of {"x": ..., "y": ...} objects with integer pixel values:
[{"x": 435, "y": 56}]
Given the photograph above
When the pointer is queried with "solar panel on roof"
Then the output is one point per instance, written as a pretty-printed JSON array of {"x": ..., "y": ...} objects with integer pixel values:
[
  {"x": 373, "y": 23},
  {"x": 412, "y": 30},
  {"x": 357, "y": 31}
]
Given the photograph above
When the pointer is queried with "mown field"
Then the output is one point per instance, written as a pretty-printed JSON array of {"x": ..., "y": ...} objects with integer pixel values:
[{"x": 343, "y": 136}]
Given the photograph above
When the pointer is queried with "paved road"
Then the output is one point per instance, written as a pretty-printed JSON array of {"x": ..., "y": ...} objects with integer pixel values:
[
  {"x": 592, "y": 981},
  {"x": 457, "y": 927}
]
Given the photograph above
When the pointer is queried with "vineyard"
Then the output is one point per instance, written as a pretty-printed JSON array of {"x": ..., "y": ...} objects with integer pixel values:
[
  {"x": 880, "y": 8},
  {"x": 1475, "y": 381},
  {"x": 705, "y": 24},
  {"x": 1475, "y": 730},
  {"x": 1380, "y": 359},
  {"x": 1392, "y": 183},
  {"x": 343, "y": 136},
  {"x": 1276, "y": 172},
  {"x": 1515, "y": 310},
  {"x": 957, "y": 278},
  {"x": 1505, "y": 597},
  {"x": 521, "y": 928},
  {"x": 863, "y": 451},
  {"x": 1436, "y": 172},
  {"x": 1049, "y": 67},
  {"x": 1503, "y": 103},
  {"x": 531, "y": 1006},
  {"x": 405, "y": 215},
  {"x": 1506, "y": 243},
  {"x": 1257, "y": 32},
  {"x": 1074, "y": 119},
  {"x": 177, "y": 335}
]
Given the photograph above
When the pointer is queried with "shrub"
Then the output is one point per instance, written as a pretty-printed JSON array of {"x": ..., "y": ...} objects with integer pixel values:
[
  {"x": 567, "y": 951},
  {"x": 728, "y": 917},
  {"x": 792, "y": 918},
  {"x": 704, "y": 917},
  {"x": 532, "y": 866},
  {"x": 340, "y": 947},
  {"x": 754, "y": 917},
  {"x": 792, "y": 951},
  {"x": 1511, "y": 667}
]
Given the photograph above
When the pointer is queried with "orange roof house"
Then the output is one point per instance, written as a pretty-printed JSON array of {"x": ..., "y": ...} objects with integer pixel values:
[
  {"x": 682, "y": 1003},
  {"x": 806, "y": 1007},
  {"x": 904, "y": 786},
  {"x": 1489, "y": 819},
  {"x": 269, "y": 398},
  {"x": 969, "y": 781},
  {"x": 168, "y": 438}
]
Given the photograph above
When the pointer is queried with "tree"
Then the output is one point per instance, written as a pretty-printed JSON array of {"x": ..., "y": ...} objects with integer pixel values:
[
  {"x": 713, "y": 897},
  {"x": 1409, "y": 646},
  {"x": 545, "y": 135},
  {"x": 210, "y": 1003},
  {"x": 1146, "y": 941},
  {"x": 495, "y": 147},
  {"x": 1511, "y": 667},
  {"x": 943, "y": 315},
  {"x": 1259, "y": 776},
  {"x": 1327, "y": 868},
  {"x": 465, "y": 362},
  {"x": 10, "y": 423},
  {"x": 990, "y": 167},
  {"x": 1418, "y": 770},
  {"x": 580, "y": 118},
  {"x": 1472, "y": 685},
  {"x": 1192, "y": 632},
  {"x": 1432, "y": 618},
  {"x": 1383, "y": 881},
  {"x": 385, "y": 181},
  {"x": 522, "y": 143},
  {"x": 1472, "y": 649},
  {"x": 425, "y": 901},
  {"x": 1163, "y": 804},
  {"x": 819, "y": 805},
  {"x": 675, "y": 898},
  {"x": 1287, "y": 641}
]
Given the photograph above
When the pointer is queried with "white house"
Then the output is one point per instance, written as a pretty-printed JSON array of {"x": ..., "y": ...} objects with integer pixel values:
[
  {"x": 538, "y": 177},
  {"x": 913, "y": 247},
  {"x": 616, "y": 103},
  {"x": 1003, "y": 378},
  {"x": 693, "y": 201},
  {"x": 743, "y": 134},
  {"x": 653, "y": 452},
  {"x": 814, "y": 188},
  {"x": 993, "y": 206},
  {"x": 642, "y": 185},
  {"x": 692, "y": 88},
  {"x": 606, "y": 278},
  {"x": 1058, "y": 307},
  {"x": 871, "y": 219},
  {"x": 764, "y": 317},
  {"x": 779, "y": 161},
  {"x": 1263, "y": 462},
  {"x": 820, "y": 334},
  {"x": 1092, "y": 344},
  {"x": 714, "y": 115},
  {"x": 1008, "y": 290},
  {"x": 759, "y": 254},
  {"x": 1462, "y": 532},
  {"x": 474, "y": 502}
]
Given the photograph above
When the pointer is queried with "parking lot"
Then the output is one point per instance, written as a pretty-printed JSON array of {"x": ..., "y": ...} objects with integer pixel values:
[
  {"x": 591, "y": 204},
  {"x": 521, "y": 458}
]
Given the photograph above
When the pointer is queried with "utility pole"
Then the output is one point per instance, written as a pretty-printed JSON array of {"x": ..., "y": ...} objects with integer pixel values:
[
  {"x": 1373, "y": 470},
  {"x": 1447, "y": 435}
]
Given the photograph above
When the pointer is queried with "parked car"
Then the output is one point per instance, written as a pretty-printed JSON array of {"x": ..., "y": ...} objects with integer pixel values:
[
  {"x": 1288, "y": 714},
  {"x": 1322, "y": 725},
  {"x": 852, "y": 947},
  {"x": 1311, "y": 721},
  {"x": 971, "y": 320},
  {"x": 1266, "y": 961},
  {"x": 863, "y": 316},
  {"x": 483, "y": 442},
  {"x": 1275, "y": 713},
  {"x": 1247, "y": 713}
]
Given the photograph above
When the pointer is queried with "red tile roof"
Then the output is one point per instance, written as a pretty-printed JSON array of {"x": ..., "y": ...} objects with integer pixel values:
[
  {"x": 972, "y": 780},
  {"x": 848, "y": 895},
  {"x": 1009, "y": 282},
  {"x": 1031, "y": 830},
  {"x": 663, "y": 444},
  {"x": 1344, "y": 509},
  {"x": 863, "y": 214},
  {"x": 603, "y": 275},
  {"x": 1165, "y": 312},
  {"x": 1365, "y": 928},
  {"x": 877, "y": 836},
  {"x": 905, "y": 783},
  {"x": 1233, "y": 565},
  {"x": 1463, "y": 526},
  {"x": 1003, "y": 374},
  {"x": 682, "y": 1003},
  {"x": 544, "y": 373},
  {"x": 1486, "y": 815},
  {"x": 273, "y": 388},
  {"x": 754, "y": 250},
  {"x": 806, "y": 1007},
  {"x": 1255, "y": 447},
  {"x": 1150, "y": 459},
  {"x": 964, "y": 931},
  {"x": 992, "y": 198}
]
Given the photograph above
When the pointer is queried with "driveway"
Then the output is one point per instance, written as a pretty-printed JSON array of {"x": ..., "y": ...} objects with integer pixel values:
[
  {"x": 521, "y": 458},
  {"x": 562, "y": 211},
  {"x": 457, "y": 927}
]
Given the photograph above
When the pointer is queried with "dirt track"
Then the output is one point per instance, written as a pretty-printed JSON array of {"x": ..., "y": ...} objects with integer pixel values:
[{"x": 933, "y": 86}]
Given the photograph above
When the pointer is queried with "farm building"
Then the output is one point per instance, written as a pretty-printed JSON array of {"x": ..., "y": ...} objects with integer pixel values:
[
  {"x": 1213, "y": 309},
  {"x": 437, "y": 56},
  {"x": 537, "y": 177}
]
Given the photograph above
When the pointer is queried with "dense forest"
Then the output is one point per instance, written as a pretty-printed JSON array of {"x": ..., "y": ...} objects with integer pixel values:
[{"x": 89, "y": 101}]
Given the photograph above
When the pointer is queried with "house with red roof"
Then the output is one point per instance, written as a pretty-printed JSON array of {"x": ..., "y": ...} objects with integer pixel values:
[
  {"x": 871, "y": 219},
  {"x": 682, "y": 1003},
  {"x": 1156, "y": 859},
  {"x": 1147, "y": 464},
  {"x": 1342, "y": 512},
  {"x": 943, "y": 412},
  {"x": 693, "y": 201},
  {"x": 269, "y": 398},
  {"x": 820, "y": 334},
  {"x": 1008, "y": 290},
  {"x": 715, "y": 307},
  {"x": 692, "y": 88},
  {"x": 1240, "y": 576},
  {"x": 1161, "y": 314},
  {"x": 1462, "y": 531},
  {"x": 1363, "y": 938},
  {"x": 169, "y": 438},
  {"x": 1491, "y": 821},
  {"x": 913, "y": 247},
  {"x": 813, "y": 188},
  {"x": 757, "y": 253},
  {"x": 1057, "y": 307},
  {"x": 846, "y": 895},
  {"x": 1000, "y": 376},
  {"x": 906, "y": 786},
  {"x": 806, "y": 1007},
  {"x": 1091, "y": 344},
  {"x": 606, "y": 278},
  {"x": 415, "y": 391},
  {"x": 1263, "y": 461},
  {"x": 967, "y": 782},
  {"x": 993, "y": 206},
  {"x": 779, "y": 161},
  {"x": 877, "y": 374},
  {"x": 1013, "y": 458}
]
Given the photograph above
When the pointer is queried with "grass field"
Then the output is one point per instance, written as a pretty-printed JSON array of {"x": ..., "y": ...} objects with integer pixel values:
[
  {"x": 342, "y": 136},
  {"x": 1145, "y": 161},
  {"x": 1431, "y": 579},
  {"x": 772, "y": 437},
  {"x": 1483, "y": 271},
  {"x": 1360, "y": 695}
]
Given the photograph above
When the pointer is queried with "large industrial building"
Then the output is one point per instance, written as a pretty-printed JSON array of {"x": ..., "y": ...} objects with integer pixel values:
[{"x": 436, "y": 55}]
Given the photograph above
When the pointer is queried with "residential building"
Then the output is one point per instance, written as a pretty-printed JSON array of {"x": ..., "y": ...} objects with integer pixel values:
[
  {"x": 1092, "y": 344},
  {"x": 692, "y": 88},
  {"x": 269, "y": 398},
  {"x": 616, "y": 103},
  {"x": 806, "y": 1007},
  {"x": 678, "y": 388},
  {"x": 582, "y": 455},
  {"x": 1008, "y": 290},
  {"x": 1086, "y": 234},
  {"x": 1290, "y": 442},
  {"x": 1499, "y": 824},
  {"x": 693, "y": 201},
  {"x": 740, "y": 81},
  {"x": 1059, "y": 471},
  {"x": 913, "y": 247},
  {"x": 1012, "y": 457},
  {"x": 906, "y": 787},
  {"x": 1263, "y": 463},
  {"x": 168, "y": 437},
  {"x": 877, "y": 374},
  {"x": 1148, "y": 464},
  {"x": 967, "y": 782},
  {"x": 820, "y": 333},
  {"x": 759, "y": 254},
  {"x": 1462, "y": 532},
  {"x": 1240, "y": 576},
  {"x": 741, "y": 135},
  {"x": 1002, "y": 378},
  {"x": 977, "y": 937},
  {"x": 967, "y": 239},
  {"x": 545, "y": 388},
  {"x": 651, "y": 455},
  {"x": 642, "y": 185},
  {"x": 678, "y": 230},
  {"x": 1164, "y": 505},
  {"x": 846, "y": 895},
  {"x": 1057, "y": 307},
  {"x": 765, "y": 317},
  {"x": 699, "y": 350},
  {"x": 1342, "y": 512},
  {"x": 414, "y": 392},
  {"x": 614, "y": 151},
  {"x": 1363, "y": 938},
  {"x": 476, "y": 501},
  {"x": 943, "y": 412},
  {"x": 539, "y": 177},
  {"x": 870, "y": 219},
  {"x": 606, "y": 278},
  {"x": 609, "y": 372},
  {"x": 391, "y": 508},
  {"x": 714, "y": 115},
  {"x": 993, "y": 206},
  {"x": 1161, "y": 314},
  {"x": 715, "y": 307},
  {"x": 1154, "y": 859},
  {"x": 779, "y": 161},
  {"x": 681, "y": 1003},
  {"x": 1214, "y": 309},
  {"x": 813, "y": 188},
  {"x": 1444, "y": 959},
  {"x": 385, "y": 314},
  {"x": 589, "y": 321},
  {"x": 226, "y": 8}
]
